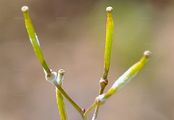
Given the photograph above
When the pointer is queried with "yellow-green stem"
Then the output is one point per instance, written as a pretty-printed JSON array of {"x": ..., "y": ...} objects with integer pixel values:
[{"x": 59, "y": 97}]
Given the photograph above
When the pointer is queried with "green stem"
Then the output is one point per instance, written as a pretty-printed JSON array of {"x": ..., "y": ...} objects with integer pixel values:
[
  {"x": 60, "y": 105},
  {"x": 84, "y": 117},
  {"x": 91, "y": 108},
  {"x": 59, "y": 97},
  {"x": 53, "y": 79},
  {"x": 96, "y": 112},
  {"x": 74, "y": 104}
]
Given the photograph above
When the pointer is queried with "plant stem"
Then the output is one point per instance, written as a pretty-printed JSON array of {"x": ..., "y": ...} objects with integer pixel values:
[
  {"x": 95, "y": 112},
  {"x": 53, "y": 79},
  {"x": 90, "y": 108},
  {"x": 74, "y": 104},
  {"x": 60, "y": 105},
  {"x": 59, "y": 96}
]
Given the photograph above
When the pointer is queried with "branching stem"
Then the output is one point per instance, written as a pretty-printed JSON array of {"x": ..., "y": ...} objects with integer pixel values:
[
  {"x": 56, "y": 78},
  {"x": 74, "y": 104}
]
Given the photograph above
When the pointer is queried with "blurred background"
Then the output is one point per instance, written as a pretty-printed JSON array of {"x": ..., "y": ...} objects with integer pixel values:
[{"x": 72, "y": 36}]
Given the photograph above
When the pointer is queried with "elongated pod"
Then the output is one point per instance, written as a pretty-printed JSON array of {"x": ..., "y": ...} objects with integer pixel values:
[
  {"x": 108, "y": 42},
  {"x": 34, "y": 39},
  {"x": 126, "y": 77}
]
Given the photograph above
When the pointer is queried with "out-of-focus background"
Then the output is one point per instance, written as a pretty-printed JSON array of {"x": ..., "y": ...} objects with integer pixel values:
[{"x": 72, "y": 36}]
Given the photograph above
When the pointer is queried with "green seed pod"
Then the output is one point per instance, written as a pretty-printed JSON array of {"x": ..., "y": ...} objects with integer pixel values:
[
  {"x": 126, "y": 77},
  {"x": 34, "y": 39},
  {"x": 59, "y": 96},
  {"x": 108, "y": 43}
]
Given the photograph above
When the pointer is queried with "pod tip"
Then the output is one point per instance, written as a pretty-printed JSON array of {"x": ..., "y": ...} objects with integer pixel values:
[
  {"x": 61, "y": 71},
  {"x": 24, "y": 8},
  {"x": 109, "y": 9},
  {"x": 147, "y": 53}
]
